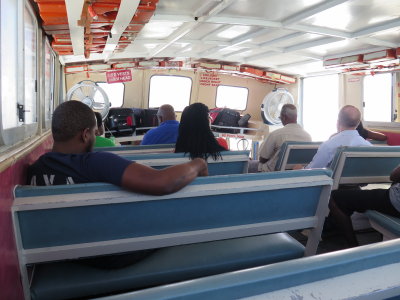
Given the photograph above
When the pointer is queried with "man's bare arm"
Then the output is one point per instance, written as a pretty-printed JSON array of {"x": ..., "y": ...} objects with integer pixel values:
[{"x": 143, "y": 179}]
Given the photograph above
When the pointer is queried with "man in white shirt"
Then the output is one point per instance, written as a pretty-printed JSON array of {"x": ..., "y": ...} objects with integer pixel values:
[
  {"x": 291, "y": 131},
  {"x": 348, "y": 120}
]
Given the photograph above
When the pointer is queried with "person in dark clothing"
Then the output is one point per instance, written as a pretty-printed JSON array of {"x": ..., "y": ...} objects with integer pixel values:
[
  {"x": 344, "y": 202},
  {"x": 195, "y": 135},
  {"x": 72, "y": 161}
]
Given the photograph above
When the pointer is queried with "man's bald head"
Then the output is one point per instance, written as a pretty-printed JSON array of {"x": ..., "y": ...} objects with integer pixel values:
[
  {"x": 166, "y": 113},
  {"x": 288, "y": 114},
  {"x": 349, "y": 117}
]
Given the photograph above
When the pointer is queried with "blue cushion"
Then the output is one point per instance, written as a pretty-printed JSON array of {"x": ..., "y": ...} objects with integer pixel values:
[
  {"x": 392, "y": 224},
  {"x": 63, "y": 280},
  {"x": 284, "y": 275}
]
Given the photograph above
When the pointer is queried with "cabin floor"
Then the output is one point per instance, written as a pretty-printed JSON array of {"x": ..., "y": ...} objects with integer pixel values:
[{"x": 334, "y": 241}]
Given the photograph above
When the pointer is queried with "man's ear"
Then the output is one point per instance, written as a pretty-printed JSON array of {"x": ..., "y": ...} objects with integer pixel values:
[{"x": 85, "y": 136}]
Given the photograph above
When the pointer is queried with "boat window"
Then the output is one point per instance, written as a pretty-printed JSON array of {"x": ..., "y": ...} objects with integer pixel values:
[
  {"x": 18, "y": 72},
  {"x": 320, "y": 101},
  {"x": 48, "y": 84},
  {"x": 30, "y": 57},
  {"x": 9, "y": 56},
  {"x": 233, "y": 97},
  {"x": 114, "y": 91},
  {"x": 377, "y": 94},
  {"x": 173, "y": 90}
]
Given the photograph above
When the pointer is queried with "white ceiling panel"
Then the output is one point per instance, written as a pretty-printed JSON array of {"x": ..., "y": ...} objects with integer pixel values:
[
  {"x": 337, "y": 48},
  {"x": 355, "y": 15},
  {"x": 297, "y": 40},
  {"x": 186, "y": 7},
  {"x": 159, "y": 29},
  {"x": 202, "y": 30},
  {"x": 267, "y": 9},
  {"x": 272, "y": 34}
]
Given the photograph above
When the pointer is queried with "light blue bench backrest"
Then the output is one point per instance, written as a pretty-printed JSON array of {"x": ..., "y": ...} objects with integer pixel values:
[
  {"x": 138, "y": 149},
  {"x": 367, "y": 272},
  {"x": 292, "y": 153},
  {"x": 92, "y": 219},
  {"x": 232, "y": 162},
  {"x": 355, "y": 165}
]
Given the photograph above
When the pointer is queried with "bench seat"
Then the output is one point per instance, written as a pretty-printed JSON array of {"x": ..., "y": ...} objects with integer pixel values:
[
  {"x": 389, "y": 226},
  {"x": 366, "y": 272},
  {"x": 65, "y": 280},
  {"x": 227, "y": 223}
]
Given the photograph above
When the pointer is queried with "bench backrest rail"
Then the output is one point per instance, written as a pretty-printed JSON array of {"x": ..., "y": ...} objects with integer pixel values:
[
  {"x": 292, "y": 153},
  {"x": 232, "y": 161},
  {"x": 139, "y": 149},
  {"x": 357, "y": 165}
]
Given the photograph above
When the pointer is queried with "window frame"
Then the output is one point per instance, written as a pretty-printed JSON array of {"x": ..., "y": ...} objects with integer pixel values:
[
  {"x": 123, "y": 93},
  {"x": 46, "y": 123},
  {"x": 393, "y": 108},
  {"x": 159, "y": 75},
  {"x": 13, "y": 135},
  {"x": 234, "y": 86}
]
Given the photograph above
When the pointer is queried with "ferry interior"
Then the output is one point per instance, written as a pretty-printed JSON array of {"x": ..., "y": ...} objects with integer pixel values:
[{"x": 126, "y": 58}]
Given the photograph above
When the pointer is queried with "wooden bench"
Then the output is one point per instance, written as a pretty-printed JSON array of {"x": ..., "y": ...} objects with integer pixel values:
[
  {"x": 293, "y": 153},
  {"x": 214, "y": 225},
  {"x": 232, "y": 162},
  {"x": 358, "y": 165},
  {"x": 367, "y": 272},
  {"x": 139, "y": 149}
]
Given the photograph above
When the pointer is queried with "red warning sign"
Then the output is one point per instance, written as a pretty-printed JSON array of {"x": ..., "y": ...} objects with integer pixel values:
[{"x": 118, "y": 76}]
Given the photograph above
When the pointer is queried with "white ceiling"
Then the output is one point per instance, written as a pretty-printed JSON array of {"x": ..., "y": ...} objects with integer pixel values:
[{"x": 289, "y": 36}]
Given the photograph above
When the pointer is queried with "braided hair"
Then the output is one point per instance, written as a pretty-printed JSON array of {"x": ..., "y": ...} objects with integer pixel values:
[{"x": 195, "y": 136}]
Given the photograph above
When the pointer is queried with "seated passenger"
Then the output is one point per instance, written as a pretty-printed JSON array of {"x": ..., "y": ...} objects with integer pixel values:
[
  {"x": 348, "y": 120},
  {"x": 167, "y": 131},
  {"x": 344, "y": 202},
  {"x": 195, "y": 135},
  {"x": 291, "y": 131},
  {"x": 369, "y": 134},
  {"x": 72, "y": 160},
  {"x": 101, "y": 141}
]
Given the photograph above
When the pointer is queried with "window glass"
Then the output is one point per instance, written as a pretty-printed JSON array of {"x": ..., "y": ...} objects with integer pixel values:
[
  {"x": 232, "y": 97},
  {"x": 30, "y": 48},
  {"x": 9, "y": 52},
  {"x": 173, "y": 90},
  {"x": 320, "y": 94},
  {"x": 48, "y": 82},
  {"x": 378, "y": 98},
  {"x": 114, "y": 91}
]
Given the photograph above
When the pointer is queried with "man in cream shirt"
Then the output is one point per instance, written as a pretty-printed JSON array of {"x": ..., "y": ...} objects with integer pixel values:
[{"x": 291, "y": 131}]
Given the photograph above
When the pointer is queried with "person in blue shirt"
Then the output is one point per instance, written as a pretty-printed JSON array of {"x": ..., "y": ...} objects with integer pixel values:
[
  {"x": 348, "y": 119},
  {"x": 167, "y": 131}
]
